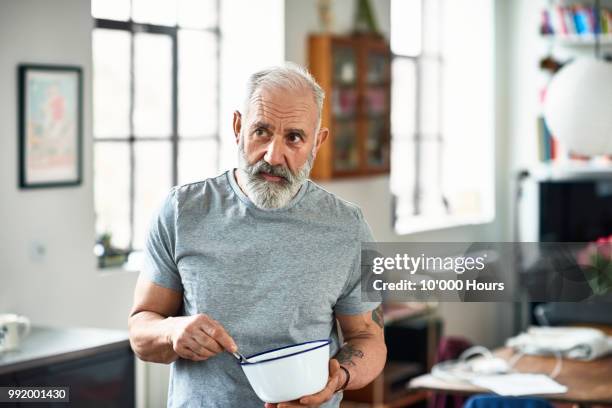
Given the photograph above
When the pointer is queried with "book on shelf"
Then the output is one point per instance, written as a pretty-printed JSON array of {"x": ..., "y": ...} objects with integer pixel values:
[
  {"x": 582, "y": 21},
  {"x": 547, "y": 145},
  {"x": 576, "y": 19}
]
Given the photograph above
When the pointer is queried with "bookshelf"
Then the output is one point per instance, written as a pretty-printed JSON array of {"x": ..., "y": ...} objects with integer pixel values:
[
  {"x": 571, "y": 170},
  {"x": 577, "y": 22},
  {"x": 354, "y": 72},
  {"x": 579, "y": 39}
]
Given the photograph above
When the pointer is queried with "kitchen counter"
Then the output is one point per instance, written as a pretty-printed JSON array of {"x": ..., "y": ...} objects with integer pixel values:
[{"x": 45, "y": 346}]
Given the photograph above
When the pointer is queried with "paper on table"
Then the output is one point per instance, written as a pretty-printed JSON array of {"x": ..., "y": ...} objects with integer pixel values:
[{"x": 520, "y": 384}]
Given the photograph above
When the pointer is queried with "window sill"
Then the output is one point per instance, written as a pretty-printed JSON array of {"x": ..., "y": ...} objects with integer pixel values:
[
  {"x": 133, "y": 265},
  {"x": 413, "y": 225}
]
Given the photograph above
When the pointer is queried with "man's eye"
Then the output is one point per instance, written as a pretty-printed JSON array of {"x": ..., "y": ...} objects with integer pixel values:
[
  {"x": 260, "y": 132},
  {"x": 294, "y": 137}
]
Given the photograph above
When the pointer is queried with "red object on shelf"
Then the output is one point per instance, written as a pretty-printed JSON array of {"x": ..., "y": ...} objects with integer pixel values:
[
  {"x": 581, "y": 157},
  {"x": 545, "y": 25},
  {"x": 561, "y": 13}
]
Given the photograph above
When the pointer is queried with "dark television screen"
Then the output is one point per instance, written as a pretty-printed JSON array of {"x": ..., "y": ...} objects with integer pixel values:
[{"x": 575, "y": 211}]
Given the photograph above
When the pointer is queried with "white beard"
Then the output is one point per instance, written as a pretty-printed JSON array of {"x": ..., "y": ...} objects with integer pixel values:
[{"x": 268, "y": 194}]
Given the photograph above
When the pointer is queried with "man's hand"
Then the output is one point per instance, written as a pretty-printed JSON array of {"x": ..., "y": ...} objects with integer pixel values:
[
  {"x": 337, "y": 377},
  {"x": 157, "y": 336},
  {"x": 199, "y": 337}
]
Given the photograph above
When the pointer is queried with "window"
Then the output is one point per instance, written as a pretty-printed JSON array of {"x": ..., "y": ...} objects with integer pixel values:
[
  {"x": 156, "y": 79},
  {"x": 442, "y": 113}
]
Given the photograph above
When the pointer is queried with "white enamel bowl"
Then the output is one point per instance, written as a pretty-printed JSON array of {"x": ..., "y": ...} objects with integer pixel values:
[{"x": 288, "y": 373}]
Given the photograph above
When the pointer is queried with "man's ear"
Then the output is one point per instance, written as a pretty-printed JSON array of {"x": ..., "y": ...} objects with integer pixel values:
[
  {"x": 237, "y": 124},
  {"x": 321, "y": 137}
]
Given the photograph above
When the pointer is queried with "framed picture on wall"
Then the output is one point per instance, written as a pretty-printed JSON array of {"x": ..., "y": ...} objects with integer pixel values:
[{"x": 50, "y": 125}]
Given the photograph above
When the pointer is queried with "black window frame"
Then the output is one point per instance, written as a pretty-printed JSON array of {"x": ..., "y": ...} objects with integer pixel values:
[
  {"x": 419, "y": 135},
  {"x": 132, "y": 27}
]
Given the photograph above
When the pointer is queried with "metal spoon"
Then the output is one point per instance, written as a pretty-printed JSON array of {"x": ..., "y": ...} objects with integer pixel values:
[{"x": 240, "y": 357}]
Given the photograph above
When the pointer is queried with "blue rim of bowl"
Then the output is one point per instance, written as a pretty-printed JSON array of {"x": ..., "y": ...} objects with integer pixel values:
[{"x": 325, "y": 342}]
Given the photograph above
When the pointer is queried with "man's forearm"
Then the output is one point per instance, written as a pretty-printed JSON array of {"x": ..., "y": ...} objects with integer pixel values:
[
  {"x": 150, "y": 337},
  {"x": 364, "y": 357}
]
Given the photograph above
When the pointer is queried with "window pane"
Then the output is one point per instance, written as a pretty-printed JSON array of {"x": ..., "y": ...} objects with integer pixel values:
[
  {"x": 404, "y": 208},
  {"x": 403, "y": 98},
  {"x": 112, "y": 191},
  {"x": 153, "y": 85},
  {"x": 197, "y": 13},
  {"x": 406, "y": 27},
  {"x": 111, "y": 9},
  {"x": 430, "y": 182},
  {"x": 430, "y": 96},
  {"x": 154, "y": 11},
  {"x": 197, "y": 160},
  {"x": 402, "y": 167},
  {"x": 198, "y": 80},
  {"x": 432, "y": 21},
  {"x": 111, "y": 59},
  {"x": 152, "y": 181}
]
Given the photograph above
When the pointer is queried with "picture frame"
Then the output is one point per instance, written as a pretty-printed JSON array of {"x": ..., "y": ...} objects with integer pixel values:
[{"x": 50, "y": 118}]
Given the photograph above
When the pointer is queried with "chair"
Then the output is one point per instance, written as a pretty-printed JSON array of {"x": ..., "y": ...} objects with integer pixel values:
[
  {"x": 449, "y": 348},
  {"x": 496, "y": 401}
]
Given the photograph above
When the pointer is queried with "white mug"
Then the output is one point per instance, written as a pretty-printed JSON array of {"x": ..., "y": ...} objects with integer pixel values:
[{"x": 13, "y": 329}]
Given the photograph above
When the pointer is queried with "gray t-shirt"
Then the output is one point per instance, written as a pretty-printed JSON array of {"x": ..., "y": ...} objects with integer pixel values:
[{"x": 270, "y": 277}]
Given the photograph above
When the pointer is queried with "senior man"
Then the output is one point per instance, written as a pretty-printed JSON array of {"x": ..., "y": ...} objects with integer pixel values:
[{"x": 257, "y": 258}]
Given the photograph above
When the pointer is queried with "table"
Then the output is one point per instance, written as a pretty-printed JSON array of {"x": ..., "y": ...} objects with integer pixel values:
[
  {"x": 97, "y": 365},
  {"x": 588, "y": 382},
  {"x": 49, "y": 345}
]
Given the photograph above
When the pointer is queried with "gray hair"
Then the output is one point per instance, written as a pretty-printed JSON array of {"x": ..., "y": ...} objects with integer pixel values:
[{"x": 288, "y": 76}]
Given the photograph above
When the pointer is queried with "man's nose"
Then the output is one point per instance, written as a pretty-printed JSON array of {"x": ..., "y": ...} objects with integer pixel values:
[{"x": 275, "y": 152}]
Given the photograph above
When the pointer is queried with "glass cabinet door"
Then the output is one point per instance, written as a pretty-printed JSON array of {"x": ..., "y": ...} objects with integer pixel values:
[
  {"x": 376, "y": 110},
  {"x": 377, "y": 143},
  {"x": 345, "y": 65},
  {"x": 344, "y": 100},
  {"x": 346, "y": 147},
  {"x": 359, "y": 106},
  {"x": 377, "y": 68}
]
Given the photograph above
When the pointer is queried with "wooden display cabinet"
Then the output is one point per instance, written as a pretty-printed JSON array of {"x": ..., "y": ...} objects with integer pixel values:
[{"x": 354, "y": 72}]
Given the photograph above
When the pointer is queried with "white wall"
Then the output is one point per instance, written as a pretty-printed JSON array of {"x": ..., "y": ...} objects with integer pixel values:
[{"x": 484, "y": 323}]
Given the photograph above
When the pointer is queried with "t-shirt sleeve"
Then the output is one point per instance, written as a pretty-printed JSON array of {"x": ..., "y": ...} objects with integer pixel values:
[
  {"x": 159, "y": 264},
  {"x": 350, "y": 301}
]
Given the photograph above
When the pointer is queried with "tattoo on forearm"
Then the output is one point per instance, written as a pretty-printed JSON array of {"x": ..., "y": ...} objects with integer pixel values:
[
  {"x": 346, "y": 354},
  {"x": 377, "y": 316}
]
